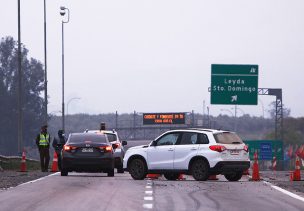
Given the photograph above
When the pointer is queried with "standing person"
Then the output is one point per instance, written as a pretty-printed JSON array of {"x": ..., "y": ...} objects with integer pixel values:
[
  {"x": 58, "y": 145},
  {"x": 43, "y": 144}
]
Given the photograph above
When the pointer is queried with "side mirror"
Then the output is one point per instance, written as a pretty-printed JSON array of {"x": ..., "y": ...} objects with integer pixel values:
[{"x": 124, "y": 143}]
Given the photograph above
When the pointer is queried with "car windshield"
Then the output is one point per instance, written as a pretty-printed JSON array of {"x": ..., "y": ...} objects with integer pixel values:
[
  {"x": 227, "y": 138},
  {"x": 83, "y": 138},
  {"x": 111, "y": 137}
]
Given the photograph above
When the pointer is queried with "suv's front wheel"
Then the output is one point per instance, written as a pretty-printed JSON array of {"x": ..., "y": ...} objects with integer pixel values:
[
  {"x": 137, "y": 168},
  {"x": 235, "y": 176},
  {"x": 200, "y": 170}
]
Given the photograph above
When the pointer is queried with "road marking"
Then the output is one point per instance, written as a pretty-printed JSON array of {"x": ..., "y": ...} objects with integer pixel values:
[
  {"x": 148, "y": 206},
  {"x": 148, "y": 198},
  {"x": 295, "y": 196},
  {"x": 149, "y": 192},
  {"x": 36, "y": 180}
]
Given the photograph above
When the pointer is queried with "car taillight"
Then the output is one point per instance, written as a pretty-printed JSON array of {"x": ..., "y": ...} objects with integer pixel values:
[
  {"x": 217, "y": 148},
  {"x": 117, "y": 145},
  {"x": 106, "y": 148},
  {"x": 68, "y": 148},
  {"x": 246, "y": 148}
]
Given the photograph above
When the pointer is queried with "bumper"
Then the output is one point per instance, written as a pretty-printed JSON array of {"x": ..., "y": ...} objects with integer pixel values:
[
  {"x": 87, "y": 164},
  {"x": 230, "y": 166}
]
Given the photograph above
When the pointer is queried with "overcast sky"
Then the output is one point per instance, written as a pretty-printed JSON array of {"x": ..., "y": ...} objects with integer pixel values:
[{"x": 156, "y": 55}]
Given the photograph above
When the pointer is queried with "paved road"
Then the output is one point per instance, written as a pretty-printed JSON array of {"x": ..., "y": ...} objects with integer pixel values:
[{"x": 80, "y": 191}]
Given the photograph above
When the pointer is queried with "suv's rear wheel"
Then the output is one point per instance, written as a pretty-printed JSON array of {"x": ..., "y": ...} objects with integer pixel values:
[
  {"x": 137, "y": 168},
  {"x": 200, "y": 170},
  {"x": 171, "y": 176},
  {"x": 235, "y": 176}
]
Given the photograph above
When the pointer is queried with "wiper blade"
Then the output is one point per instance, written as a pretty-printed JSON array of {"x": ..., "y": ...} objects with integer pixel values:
[{"x": 236, "y": 142}]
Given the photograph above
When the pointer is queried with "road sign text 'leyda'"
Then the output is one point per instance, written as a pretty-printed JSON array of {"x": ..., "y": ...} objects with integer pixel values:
[{"x": 234, "y": 84}]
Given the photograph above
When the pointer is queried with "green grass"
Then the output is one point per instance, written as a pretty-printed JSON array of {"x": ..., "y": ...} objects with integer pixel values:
[{"x": 15, "y": 163}]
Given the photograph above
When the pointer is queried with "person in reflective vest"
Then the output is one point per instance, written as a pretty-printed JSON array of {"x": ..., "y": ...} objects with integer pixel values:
[
  {"x": 58, "y": 145},
  {"x": 43, "y": 144}
]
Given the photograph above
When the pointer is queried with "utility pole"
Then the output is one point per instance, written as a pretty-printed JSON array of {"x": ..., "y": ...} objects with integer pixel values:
[{"x": 20, "y": 129}]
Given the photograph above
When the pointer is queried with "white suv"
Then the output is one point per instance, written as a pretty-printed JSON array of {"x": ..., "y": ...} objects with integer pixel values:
[{"x": 197, "y": 152}]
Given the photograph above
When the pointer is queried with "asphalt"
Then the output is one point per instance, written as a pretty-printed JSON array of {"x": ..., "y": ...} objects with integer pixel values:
[{"x": 82, "y": 191}]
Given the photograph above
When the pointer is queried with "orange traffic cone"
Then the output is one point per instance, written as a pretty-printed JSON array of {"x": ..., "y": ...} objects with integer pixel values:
[
  {"x": 23, "y": 162},
  {"x": 297, "y": 172},
  {"x": 55, "y": 163},
  {"x": 181, "y": 177},
  {"x": 212, "y": 177},
  {"x": 153, "y": 176},
  {"x": 255, "y": 170}
]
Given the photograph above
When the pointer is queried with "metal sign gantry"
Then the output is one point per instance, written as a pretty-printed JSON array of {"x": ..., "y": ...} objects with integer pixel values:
[{"x": 278, "y": 109}]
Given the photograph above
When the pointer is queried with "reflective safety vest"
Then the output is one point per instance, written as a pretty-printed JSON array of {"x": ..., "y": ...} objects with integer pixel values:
[{"x": 44, "y": 140}]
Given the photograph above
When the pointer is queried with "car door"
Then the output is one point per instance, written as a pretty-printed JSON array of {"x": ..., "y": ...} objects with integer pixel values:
[
  {"x": 186, "y": 148},
  {"x": 161, "y": 155}
]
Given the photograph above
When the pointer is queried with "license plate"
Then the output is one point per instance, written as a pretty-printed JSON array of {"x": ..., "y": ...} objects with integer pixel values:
[
  {"x": 87, "y": 150},
  {"x": 234, "y": 152}
]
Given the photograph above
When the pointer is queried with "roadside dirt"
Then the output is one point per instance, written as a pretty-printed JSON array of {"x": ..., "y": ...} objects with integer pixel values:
[{"x": 13, "y": 178}]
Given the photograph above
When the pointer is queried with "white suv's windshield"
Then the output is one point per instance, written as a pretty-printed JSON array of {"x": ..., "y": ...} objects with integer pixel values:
[{"x": 227, "y": 138}]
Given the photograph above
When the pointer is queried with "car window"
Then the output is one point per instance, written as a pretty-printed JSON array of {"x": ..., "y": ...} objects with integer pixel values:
[
  {"x": 82, "y": 138},
  {"x": 168, "y": 139},
  {"x": 111, "y": 137},
  {"x": 189, "y": 138},
  {"x": 227, "y": 138},
  {"x": 203, "y": 139}
]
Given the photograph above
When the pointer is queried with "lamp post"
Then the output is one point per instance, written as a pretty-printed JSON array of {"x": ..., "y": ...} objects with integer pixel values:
[
  {"x": 45, "y": 70},
  {"x": 74, "y": 98},
  {"x": 62, "y": 13}
]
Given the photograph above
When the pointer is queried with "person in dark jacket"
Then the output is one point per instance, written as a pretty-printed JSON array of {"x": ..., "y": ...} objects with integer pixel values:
[
  {"x": 43, "y": 144},
  {"x": 58, "y": 145}
]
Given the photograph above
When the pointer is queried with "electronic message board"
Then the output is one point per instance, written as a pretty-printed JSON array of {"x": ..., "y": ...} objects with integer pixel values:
[{"x": 163, "y": 118}]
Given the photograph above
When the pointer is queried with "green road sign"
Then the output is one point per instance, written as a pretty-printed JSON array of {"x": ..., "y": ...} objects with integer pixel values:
[
  {"x": 234, "y": 84},
  {"x": 267, "y": 149}
]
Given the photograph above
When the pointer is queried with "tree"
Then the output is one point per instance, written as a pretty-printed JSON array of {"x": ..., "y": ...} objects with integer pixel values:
[{"x": 32, "y": 86}]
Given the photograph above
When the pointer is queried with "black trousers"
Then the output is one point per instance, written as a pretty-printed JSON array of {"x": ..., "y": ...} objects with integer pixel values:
[{"x": 44, "y": 158}]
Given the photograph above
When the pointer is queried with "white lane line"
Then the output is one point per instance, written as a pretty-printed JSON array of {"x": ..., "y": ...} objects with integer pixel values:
[
  {"x": 148, "y": 186},
  {"x": 148, "y": 198},
  {"x": 295, "y": 196},
  {"x": 36, "y": 180},
  {"x": 148, "y": 192},
  {"x": 148, "y": 206}
]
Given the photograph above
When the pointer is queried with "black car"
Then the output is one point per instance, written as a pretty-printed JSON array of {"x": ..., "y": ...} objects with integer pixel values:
[{"x": 88, "y": 152}]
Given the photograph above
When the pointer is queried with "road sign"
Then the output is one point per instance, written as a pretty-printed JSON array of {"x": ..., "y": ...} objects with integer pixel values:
[
  {"x": 234, "y": 84},
  {"x": 267, "y": 149},
  {"x": 163, "y": 118}
]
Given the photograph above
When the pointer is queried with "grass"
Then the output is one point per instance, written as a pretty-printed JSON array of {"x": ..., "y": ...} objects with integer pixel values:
[{"x": 15, "y": 163}]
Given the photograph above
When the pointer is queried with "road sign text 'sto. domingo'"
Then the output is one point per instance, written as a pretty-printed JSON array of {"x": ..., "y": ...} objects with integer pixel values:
[{"x": 234, "y": 84}]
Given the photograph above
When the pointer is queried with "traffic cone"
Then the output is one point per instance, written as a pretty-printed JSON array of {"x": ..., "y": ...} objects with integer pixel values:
[
  {"x": 153, "y": 176},
  {"x": 297, "y": 172},
  {"x": 246, "y": 172},
  {"x": 55, "y": 163},
  {"x": 181, "y": 177},
  {"x": 291, "y": 176},
  {"x": 212, "y": 177},
  {"x": 23, "y": 162},
  {"x": 255, "y": 168}
]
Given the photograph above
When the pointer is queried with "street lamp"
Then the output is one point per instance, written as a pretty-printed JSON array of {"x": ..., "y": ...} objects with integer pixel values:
[
  {"x": 62, "y": 13},
  {"x": 74, "y": 98}
]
